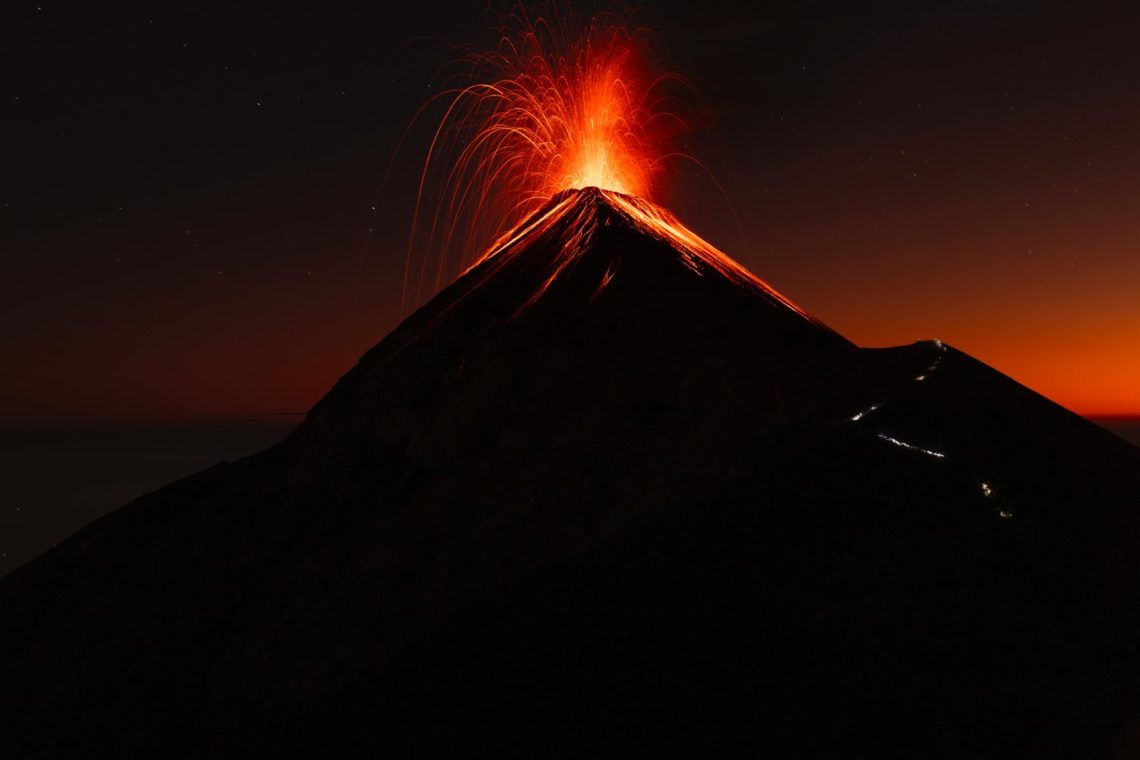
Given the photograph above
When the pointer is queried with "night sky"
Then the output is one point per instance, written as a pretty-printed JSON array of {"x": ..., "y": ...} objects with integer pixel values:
[{"x": 195, "y": 222}]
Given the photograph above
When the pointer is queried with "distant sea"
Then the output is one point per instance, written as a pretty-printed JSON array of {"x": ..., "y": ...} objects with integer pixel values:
[{"x": 58, "y": 478}]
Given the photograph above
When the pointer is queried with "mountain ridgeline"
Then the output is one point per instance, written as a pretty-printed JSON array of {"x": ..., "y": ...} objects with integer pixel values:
[{"x": 610, "y": 494}]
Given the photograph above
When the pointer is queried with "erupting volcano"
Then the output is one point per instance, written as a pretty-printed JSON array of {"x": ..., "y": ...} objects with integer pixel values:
[
  {"x": 608, "y": 493},
  {"x": 560, "y": 104}
]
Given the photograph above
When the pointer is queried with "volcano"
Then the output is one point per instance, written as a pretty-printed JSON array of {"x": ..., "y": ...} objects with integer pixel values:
[{"x": 610, "y": 494}]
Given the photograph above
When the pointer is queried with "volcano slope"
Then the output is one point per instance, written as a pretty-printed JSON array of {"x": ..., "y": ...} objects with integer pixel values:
[{"x": 608, "y": 494}]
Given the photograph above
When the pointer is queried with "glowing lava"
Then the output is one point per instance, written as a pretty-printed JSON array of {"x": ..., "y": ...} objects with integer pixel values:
[
  {"x": 565, "y": 125},
  {"x": 559, "y": 104},
  {"x": 572, "y": 219}
]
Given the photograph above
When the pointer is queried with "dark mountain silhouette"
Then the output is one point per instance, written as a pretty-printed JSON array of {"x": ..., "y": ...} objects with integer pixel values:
[{"x": 608, "y": 494}]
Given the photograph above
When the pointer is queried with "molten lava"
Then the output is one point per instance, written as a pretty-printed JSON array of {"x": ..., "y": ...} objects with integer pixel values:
[
  {"x": 565, "y": 125},
  {"x": 559, "y": 104},
  {"x": 572, "y": 220}
]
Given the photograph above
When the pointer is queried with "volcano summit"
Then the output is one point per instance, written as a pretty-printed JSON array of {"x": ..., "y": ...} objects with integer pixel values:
[{"x": 610, "y": 494}]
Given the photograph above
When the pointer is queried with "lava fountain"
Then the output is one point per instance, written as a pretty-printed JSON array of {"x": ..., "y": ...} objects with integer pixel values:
[{"x": 560, "y": 103}]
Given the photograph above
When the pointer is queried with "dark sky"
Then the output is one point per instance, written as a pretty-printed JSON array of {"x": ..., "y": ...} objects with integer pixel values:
[{"x": 194, "y": 221}]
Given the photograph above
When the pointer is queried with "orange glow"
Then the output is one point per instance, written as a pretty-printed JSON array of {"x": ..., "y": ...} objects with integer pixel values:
[
  {"x": 564, "y": 104},
  {"x": 559, "y": 104},
  {"x": 574, "y": 219}
]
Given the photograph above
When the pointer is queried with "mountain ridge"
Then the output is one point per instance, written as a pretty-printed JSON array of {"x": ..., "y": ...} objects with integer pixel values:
[{"x": 671, "y": 515}]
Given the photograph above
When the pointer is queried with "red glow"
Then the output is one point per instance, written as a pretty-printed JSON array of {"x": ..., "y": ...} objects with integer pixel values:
[
  {"x": 559, "y": 104},
  {"x": 580, "y": 223}
]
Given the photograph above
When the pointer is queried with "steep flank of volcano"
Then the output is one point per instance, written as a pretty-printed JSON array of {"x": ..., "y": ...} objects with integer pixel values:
[
  {"x": 560, "y": 235},
  {"x": 597, "y": 291},
  {"x": 609, "y": 494},
  {"x": 584, "y": 241}
]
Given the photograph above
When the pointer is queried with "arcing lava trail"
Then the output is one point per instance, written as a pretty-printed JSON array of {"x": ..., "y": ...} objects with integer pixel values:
[{"x": 560, "y": 103}]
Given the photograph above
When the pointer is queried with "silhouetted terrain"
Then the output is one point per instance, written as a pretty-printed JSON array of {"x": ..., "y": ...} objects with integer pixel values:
[
  {"x": 615, "y": 504},
  {"x": 1127, "y": 428},
  {"x": 59, "y": 477}
]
